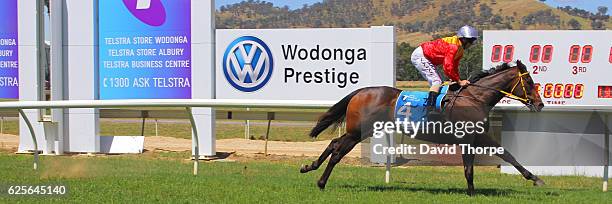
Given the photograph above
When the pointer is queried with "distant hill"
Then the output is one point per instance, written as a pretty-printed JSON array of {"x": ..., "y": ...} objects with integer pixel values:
[{"x": 416, "y": 20}]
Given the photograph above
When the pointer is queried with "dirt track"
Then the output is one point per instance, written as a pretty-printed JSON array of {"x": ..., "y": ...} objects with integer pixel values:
[
  {"x": 239, "y": 146},
  {"x": 249, "y": 148},
  {"x": 243, "y": 146},
  {"x": 9, "y": 142}
]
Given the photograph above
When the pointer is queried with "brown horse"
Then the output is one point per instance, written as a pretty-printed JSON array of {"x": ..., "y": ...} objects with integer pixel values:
[{"x": 470, "y": 103}]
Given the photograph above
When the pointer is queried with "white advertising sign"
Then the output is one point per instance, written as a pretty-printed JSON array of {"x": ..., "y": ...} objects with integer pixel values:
[
  {"x": 302, "y": 64},
  {"x": 569, "y": 67}
]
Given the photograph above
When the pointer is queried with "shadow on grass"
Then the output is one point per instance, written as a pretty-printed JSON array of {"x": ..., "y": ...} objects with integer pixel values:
[{"x": 479, "y": 191}]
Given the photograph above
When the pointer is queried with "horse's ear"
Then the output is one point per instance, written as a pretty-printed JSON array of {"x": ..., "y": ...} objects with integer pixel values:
[{"x": 521, "y": 65}]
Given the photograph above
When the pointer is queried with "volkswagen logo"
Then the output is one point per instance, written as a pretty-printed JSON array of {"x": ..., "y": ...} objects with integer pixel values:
[{"x": 247, "y": 64}]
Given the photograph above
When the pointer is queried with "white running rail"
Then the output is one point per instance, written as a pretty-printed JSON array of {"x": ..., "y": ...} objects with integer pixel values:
[{"x": 186, "y": 103}]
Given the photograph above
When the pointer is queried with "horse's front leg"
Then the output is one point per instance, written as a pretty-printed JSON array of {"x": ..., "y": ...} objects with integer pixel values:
[
  {"x": 485, "y": 141},
  {"x": 526, "y": 174}
]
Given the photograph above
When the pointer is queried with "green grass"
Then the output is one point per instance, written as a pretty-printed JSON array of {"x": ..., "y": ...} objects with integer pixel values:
[{"x": 165, "y": 177}]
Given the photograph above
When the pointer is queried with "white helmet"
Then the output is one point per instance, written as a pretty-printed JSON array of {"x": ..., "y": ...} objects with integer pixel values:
[{"x": 467, "y": 32}]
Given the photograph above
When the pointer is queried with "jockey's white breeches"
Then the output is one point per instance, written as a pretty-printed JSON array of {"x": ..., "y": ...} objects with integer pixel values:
[{"x": 427, "y": 69}]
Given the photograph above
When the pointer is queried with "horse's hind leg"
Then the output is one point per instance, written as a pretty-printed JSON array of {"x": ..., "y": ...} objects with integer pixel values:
[
  {"x": 468, "y": 170},
  {"x": 344, "y": 146},
  {"x": 316, "y": 163},
  {"x": 486, "y": 141}
]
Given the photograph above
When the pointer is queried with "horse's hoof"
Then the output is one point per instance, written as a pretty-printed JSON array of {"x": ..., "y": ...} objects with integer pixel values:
[
  {"x": 321, "y": 185},
  {"x": 538, "y": 182},
  {"x": 304, "y": 169},
  {"x": 471, "y": 192}
]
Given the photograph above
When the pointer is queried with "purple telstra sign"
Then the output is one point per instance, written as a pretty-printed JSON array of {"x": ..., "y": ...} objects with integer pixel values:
[
  {"x": 9, "y": 60},
  {"x": 145, "y": 49}
]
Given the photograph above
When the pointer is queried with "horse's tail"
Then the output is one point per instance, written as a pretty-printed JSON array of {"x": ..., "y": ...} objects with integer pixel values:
[{"x": 335, "y": 115}]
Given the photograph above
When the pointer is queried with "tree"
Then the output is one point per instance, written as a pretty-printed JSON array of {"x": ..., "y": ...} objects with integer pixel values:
[
  {"x": 485, "y": 11},
  {"x": 574, "y": 24},
  {"x": 597, "y": 25},
  {"x": 405, "y": 70},
  {"x": 471, "y": 61},
  {"x": 602, "y": 10}
]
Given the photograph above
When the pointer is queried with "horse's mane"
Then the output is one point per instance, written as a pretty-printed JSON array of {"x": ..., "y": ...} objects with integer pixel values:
[{"x": 479, "y": 74}]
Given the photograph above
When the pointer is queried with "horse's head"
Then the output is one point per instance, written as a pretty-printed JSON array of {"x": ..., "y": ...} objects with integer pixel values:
[
  {"x": 513, "y": 81},
  {"x": 522, "y": 87}
]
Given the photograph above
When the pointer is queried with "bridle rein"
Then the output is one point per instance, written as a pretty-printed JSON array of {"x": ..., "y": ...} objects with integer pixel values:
[{"x": 528, "y": 102}]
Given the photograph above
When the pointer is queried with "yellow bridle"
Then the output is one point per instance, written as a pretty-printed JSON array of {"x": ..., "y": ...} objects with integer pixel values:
[{"x": 522, "y": 82}]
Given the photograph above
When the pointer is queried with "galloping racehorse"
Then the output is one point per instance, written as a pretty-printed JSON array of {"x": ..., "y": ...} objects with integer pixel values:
[{"x": 470, "y": 103}]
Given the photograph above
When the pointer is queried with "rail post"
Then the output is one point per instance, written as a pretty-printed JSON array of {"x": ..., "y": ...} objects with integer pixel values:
[
  {"x": 27, "y": 121},
  {"x": 247, "y": 127},
  {"x": 606, "y": 153},
  {"x": 388, "y": 162},
  {"x": 267, "y": 134},
  {"x": 196, "y": 152},
  {"x": 156, "y": 128}
]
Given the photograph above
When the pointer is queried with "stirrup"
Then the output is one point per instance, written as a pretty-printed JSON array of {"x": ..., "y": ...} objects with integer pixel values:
[
  {"x": 433, "y": 114},
  {"x": 432, "y": 109},
  {"x": 431, "y": 104}
]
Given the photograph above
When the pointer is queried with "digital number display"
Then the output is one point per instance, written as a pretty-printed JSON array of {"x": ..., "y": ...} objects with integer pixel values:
[
  {"x": 536, "y": 50},
  {"x": 534, "y": 57},
  {"x": 574, "y": 54},
  {"x": 604, "y": 92},
  {"x": 585, "y": 56},
  {"x": 568, "y": 67},
  {"x": 508, "y": 53},
  {"x": 610, "y": 59},
  {"x": 567, "y": 91},
  {"x": 496, "y": 53},
  {"x": 587, "y": 53},
  {"x": 547, "y": 55},
  {"x": 506, "y": 56}
]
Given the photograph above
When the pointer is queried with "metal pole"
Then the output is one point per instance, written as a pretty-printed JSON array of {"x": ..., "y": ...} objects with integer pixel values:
[
  {"x": 196, "y": 152},
  {"x": 1, "y": 125},
  {"x": 247, "y": 128},
  {"x": 33, "y": 137},
  {"x": 142, "y": 129},
  {"x": 156, "y": 133},
  {"x": 267, "y": 133},
  {"x": 388, "y": 163},
  {"x": 56, "y": 70},
  {"x": 41, "y": 50},
  {"x": 607, "y": 153}
]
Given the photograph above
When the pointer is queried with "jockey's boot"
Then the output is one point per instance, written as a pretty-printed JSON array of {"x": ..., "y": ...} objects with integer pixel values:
[{"x": 431, "y": 101}]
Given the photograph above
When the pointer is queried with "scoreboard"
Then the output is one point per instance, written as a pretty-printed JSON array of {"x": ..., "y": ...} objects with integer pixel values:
[{"x": 569, "y": 67}]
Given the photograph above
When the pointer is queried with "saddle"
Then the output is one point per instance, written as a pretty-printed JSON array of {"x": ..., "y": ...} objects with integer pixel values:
[{"x": 411, "y": 105}]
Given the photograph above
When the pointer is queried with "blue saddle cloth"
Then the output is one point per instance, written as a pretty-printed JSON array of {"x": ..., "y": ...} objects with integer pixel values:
[{"x": 410, "y": 105}]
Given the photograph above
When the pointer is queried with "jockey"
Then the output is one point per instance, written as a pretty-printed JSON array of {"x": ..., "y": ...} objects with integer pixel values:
[{"x": 444, "y": 51}]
